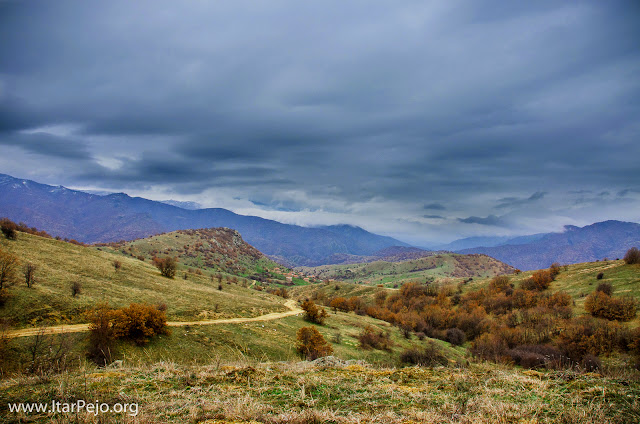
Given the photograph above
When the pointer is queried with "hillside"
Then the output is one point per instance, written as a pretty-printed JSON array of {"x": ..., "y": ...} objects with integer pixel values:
[
  {"x": 59, "y": 264},
  {"x": 388, "y": 254},
  {"x": 609, "y": 239},
  {"x": 441, "y": 266},
  {"x": 211, "y": 249},
  {"x": 92, "y": 218},
  {"x": 579, "y": 280}
]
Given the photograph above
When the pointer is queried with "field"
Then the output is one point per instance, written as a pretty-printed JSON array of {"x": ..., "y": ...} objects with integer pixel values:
[
  {"x": 300, "y": 392},
  {"x": 441, "y": 267}
]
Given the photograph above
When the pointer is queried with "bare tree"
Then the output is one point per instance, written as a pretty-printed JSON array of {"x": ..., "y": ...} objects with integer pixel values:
[
  {"x": 8, "y": 265},
  {"x": 29, "y": 271}
]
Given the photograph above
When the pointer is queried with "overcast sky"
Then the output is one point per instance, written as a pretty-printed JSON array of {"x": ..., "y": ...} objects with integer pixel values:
[{"x": 425, "y": 120}]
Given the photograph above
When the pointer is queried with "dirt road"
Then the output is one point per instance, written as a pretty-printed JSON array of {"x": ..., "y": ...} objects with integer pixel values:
[{"x": 78, "y": 328}]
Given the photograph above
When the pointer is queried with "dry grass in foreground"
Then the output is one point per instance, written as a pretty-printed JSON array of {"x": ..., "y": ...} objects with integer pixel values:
[{"x": 299, "y": 392}]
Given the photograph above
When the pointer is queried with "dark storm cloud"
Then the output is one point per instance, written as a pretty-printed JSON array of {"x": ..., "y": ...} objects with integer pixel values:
[
  {"x": 490, "y": 220},
  {"x": 329, "y": 105},
  {"x": 435, "y": 207},
  {"x": 45, "y": 144},
  {"x": 508, "y": 202}
]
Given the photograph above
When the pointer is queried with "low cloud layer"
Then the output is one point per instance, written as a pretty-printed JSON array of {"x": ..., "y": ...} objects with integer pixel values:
[{"x": 425, "y": 121}]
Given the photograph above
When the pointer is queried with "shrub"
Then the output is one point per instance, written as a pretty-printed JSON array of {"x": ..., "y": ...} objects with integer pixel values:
[
  {"x": 339, "y": 303},
  {"x": 139, "y": 322},
  {"x": 554, "y": 270},
  {"x": 538, "y": 356},
  {"x": 369, "y": 338},
  {"x": 632, "y": 256},
  {"x": 311, "y": 345},
  {"x": 117, "y": 265},
  {"x": 489, "y": 347},
  {"x": 9, "y": 229},
  {"x": 167, "y": 266},
  {"x": 500, "y": 283},
  {"x": 540, "y": 280},
  {"x": 313, "y": 313},
  {"x": 590, "y": 363},
  {"x": 76, "y": 288},
  {"x": 600, "y": 276},
  {"x": 605, "y": 288},
  {"x": 101, "y": 334},
  {"x": 455, "y": 336},
  {"x": 429, "y": 356},
  {"x": 8, "y": 266},
  {"x": 599, "y": 304}
]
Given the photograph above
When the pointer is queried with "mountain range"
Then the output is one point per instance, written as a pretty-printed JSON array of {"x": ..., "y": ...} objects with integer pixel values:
[
  {"x": 608, "y": 239},
  {"x": 92, "y": 218}
]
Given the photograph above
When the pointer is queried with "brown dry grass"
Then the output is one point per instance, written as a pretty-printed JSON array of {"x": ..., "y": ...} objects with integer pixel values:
[{"x": 298, "y": 392}]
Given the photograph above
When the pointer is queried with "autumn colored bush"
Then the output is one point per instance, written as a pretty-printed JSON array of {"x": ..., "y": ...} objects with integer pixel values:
[
  {"x": 584, "y": 335},
  {"x": 313, "y": 313},
  {"x": 489, "y": 347},
  {"x": 599, "y": 304},
  {"x": 339, "y": 304},
  {"x": 540, "y": 280},
  {"x": 167, "y": 266},
  {"x": 500, "y": 283},
  {"x": 555, "y": 300},
  {"x": 101, "y": 334},
  {"x": 139, "y": 322},
  {"x": 9, "y": 229},
  {"x": 311, "y": 344},
  {"x": 370, "y": 338},
  {"x": 632, "y": 256}
]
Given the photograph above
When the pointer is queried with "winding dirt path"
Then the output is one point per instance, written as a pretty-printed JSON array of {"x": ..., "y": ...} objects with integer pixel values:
[{"x": 78, "y": 328}]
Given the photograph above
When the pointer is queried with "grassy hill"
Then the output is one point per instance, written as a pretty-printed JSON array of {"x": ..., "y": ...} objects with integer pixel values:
[
  {"x": 59, "y": 264},
  {"x": 438, "y": 267},
  {"x": 212, "y": 249},
  {"x": 581, "y": 279}
]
